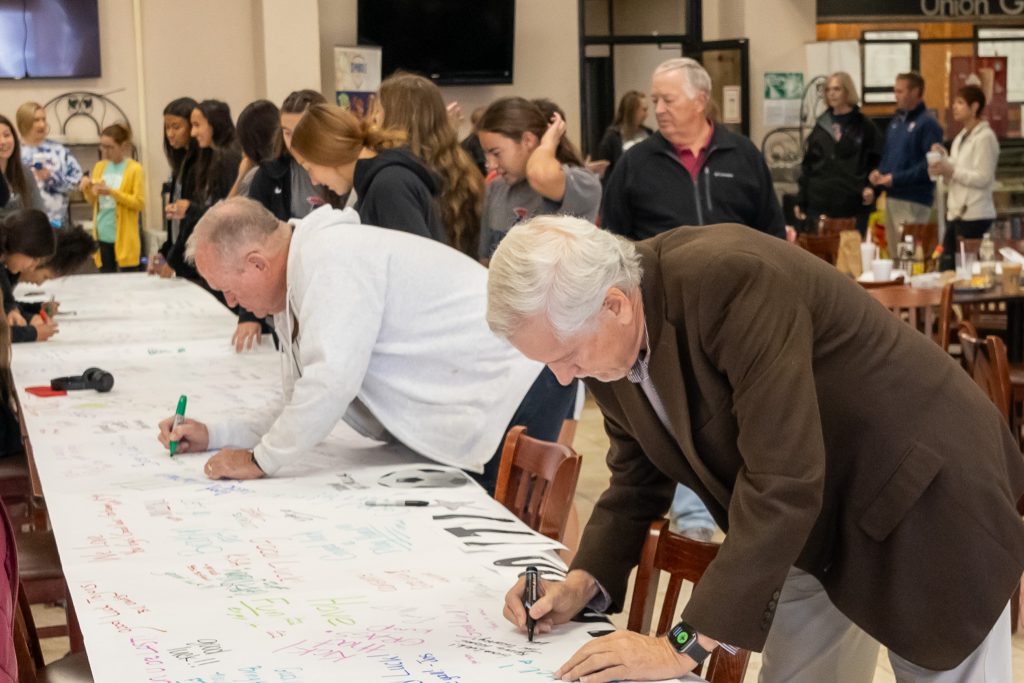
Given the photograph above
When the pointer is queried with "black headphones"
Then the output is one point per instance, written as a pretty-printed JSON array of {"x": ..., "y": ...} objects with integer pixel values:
[{"x": 93, "y": 378}]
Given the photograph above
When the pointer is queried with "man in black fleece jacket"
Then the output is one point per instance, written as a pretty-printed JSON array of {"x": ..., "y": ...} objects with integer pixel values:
[{"x": 690, "y": 172}]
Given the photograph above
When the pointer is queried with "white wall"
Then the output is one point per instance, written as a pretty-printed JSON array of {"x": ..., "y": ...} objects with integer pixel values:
[
  {"x": 291, "y": 47},
  {"x": 546, "y": 60},
  {"x": 777, "y": 31},
  {"x": 117, "y": 66},
  {"x": 198, "y": 49}
]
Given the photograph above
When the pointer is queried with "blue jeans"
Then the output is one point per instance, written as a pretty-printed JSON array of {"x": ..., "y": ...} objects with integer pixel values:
[
  {"x": 546, "y": 405},
  {"x": 689, "y": 512}
]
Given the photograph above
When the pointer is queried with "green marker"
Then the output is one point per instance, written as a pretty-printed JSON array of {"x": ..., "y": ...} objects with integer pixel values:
[{"x": 179, "y": 417}]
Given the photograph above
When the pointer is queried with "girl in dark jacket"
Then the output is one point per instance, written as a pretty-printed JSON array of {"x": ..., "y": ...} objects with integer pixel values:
[
  {"x": 841, "y": 151},
  {"x": 181, "y": 151},
  {"x": 281, "y": 184},
  {"x": 26, "y": 240},
  {"x": 214, "y": 173},
  {"x": 394, "y": 189},
  {"x": 626, "y": 130}
]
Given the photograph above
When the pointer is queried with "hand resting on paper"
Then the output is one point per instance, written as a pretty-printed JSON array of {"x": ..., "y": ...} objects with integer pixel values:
[
  {"x": 618, "y": 656},
  {"x": 625, "y": 655},
  {"x": 192, "y": 436},
  {"x": 233, "y": 463},
  {"x": 247, "y": 336}
]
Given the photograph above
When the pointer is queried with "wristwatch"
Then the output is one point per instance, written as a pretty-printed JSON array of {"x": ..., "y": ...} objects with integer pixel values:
[{"x": 684, "y": 640}]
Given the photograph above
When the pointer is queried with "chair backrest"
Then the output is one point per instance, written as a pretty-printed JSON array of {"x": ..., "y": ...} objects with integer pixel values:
[
  {"x": 537, "y": 481},
  {"x": 822, "y": 246},
  {"x": 985, "y": 361},
  {"x": 834, "y": 226},
  {"x": 683, "y": 559},
  {"x": 921, "y": 308},
  {"x": 924, "y": 234}
]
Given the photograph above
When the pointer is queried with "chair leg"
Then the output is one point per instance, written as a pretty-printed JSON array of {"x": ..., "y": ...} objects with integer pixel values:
[
  {"x": 1015, "y": 610},
  {"x": 74, "y": 629}
]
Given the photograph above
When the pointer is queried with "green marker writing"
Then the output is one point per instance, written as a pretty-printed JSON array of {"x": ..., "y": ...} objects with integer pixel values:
[{"x": 179, "y": 417}]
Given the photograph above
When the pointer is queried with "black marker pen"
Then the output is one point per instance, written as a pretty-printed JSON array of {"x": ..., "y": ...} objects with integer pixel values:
[{"x": 530, "y": 596}]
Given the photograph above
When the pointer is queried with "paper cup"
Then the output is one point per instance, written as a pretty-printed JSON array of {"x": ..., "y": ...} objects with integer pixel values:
[
  {"x": 1011, "y": 277},
  {"x": 881, "y": 268},
  {"x": 933, "y": 158},
  {"x": 867, "y": 255}
]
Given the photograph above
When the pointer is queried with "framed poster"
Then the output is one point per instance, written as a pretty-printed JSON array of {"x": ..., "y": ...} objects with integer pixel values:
[{"x": 357, "y": 76}]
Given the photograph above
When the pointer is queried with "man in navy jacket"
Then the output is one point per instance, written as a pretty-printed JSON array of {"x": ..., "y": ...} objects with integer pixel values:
[{"x": 903, "y": 171}]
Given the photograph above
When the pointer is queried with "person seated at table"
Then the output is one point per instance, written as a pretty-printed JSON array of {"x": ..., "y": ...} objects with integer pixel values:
[
  {"x": 387, "y": 332},
  {"x": 26, "y": 239},
  {"x": 75, "y": 247}
]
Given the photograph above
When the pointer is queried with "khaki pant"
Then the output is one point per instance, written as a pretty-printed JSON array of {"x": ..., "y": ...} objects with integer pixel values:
[{"x": 812, "y": 642}]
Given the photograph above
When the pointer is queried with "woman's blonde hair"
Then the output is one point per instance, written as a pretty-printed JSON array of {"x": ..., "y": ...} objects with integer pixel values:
[
  {"x": 25, "y": 115},
  {"x": 414, "y": 104},
  {"x": 849, "y": 89},
  {"x": 331, "y": 136}
]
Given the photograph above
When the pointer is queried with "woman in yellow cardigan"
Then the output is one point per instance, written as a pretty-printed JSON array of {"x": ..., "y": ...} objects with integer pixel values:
[{"x": 115, "y": 190}]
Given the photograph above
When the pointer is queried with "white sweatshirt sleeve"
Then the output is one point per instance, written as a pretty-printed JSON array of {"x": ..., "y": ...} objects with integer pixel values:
[
  {"x": 340, "y": 304},
  {"x": 980, "y": 170},
  {"x": 243, "y": 432}
]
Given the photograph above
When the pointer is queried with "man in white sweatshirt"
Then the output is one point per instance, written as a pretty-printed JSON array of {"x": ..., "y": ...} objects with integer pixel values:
[{"x": 378, "y": 327}]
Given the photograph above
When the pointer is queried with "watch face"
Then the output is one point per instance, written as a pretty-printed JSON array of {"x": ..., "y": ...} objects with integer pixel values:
[{"x": 681, "y": 635}]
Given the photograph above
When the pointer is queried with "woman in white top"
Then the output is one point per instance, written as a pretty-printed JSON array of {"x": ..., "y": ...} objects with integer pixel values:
[
  {"x": 55, "y": 169},
  {"x": 970, "y": 172}
]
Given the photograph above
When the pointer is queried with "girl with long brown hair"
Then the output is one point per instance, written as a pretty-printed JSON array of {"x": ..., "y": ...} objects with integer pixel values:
[
  {"x": 539, "y": 170},
  {"x": 18, "y": 185},
  {"x": 394, "y": 189},
  {"x": 414, "y": 104},
  {"x": 626, "y": 130}
]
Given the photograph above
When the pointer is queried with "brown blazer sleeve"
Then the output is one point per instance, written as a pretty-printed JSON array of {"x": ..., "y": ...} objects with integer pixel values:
[
  {"x": 757, "y": 331},
  {"x": 637, "y": 494}
]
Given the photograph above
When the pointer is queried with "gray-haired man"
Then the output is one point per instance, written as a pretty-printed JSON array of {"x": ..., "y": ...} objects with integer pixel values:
[
  {"x": 864, "y": 493},
  {"x": 378, "y": 327}
]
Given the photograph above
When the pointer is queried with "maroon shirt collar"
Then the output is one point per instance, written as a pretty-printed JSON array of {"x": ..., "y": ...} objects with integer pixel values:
[{"x": 694, "y": 162}]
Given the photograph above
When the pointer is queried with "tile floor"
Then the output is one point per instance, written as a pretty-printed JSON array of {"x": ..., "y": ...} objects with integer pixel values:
[{"x": 592, "y": 444}]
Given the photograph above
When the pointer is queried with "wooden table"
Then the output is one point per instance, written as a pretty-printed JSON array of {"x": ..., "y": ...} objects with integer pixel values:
[
  {"x": 175, "y": 577},
  {"x": 1014, "y": 315}
]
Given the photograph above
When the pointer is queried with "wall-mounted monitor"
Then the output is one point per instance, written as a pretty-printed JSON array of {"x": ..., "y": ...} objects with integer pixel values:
[
  {"x": 449, "y": 41},
  {"x": 49, "y": 39}
]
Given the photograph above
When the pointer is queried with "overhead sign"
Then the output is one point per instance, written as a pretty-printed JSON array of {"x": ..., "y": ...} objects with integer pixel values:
[{"x": 928, "y": 9}]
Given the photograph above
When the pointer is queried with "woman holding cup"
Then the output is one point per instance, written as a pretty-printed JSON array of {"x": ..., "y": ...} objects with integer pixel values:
[{"x": 969, "y": 171}]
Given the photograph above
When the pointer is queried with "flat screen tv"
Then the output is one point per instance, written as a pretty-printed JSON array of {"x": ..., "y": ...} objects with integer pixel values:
[
  {"x": 449, "y": 41},
  {"x": 49, "y": 39}
]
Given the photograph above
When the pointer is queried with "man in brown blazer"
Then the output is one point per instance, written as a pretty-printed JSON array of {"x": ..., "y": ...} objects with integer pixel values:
[{"x": 865, "y": 483}]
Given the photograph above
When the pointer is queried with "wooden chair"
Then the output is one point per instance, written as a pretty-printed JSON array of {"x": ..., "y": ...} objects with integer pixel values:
[
  {"x": 923, "y": 309},
  {"x": 42, "y": 580},
  {"x": 834, "y": 226},
  {"x": 823, "y": 246},
  {"x": 984, "y": 359},
  {"x": 683, "y": 559},
  {"x": 72, "y": 668},
  {"x": 926, "y": 235},
  {"x": 537, "y": 481}
]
